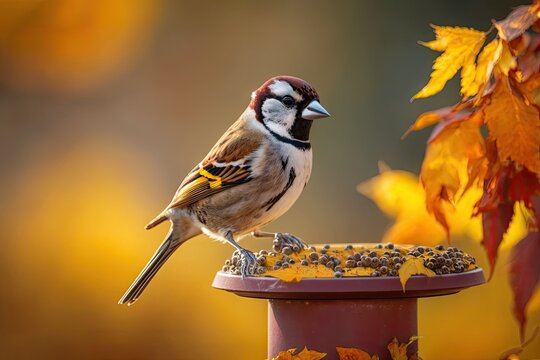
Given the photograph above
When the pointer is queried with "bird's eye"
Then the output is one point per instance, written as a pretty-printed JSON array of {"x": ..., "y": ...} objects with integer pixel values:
[{"x": 287, "y": 100}]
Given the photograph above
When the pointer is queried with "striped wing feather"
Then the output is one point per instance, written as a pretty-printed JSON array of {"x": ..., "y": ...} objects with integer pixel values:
[
  {"x": 207, "y": 181},
  {"x": 216, "y": 172}
]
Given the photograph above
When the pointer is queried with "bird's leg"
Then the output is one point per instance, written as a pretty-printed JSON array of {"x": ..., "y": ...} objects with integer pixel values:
[
  {"x": 283, "y": 239},
  {"x": 249, "y": 260}
]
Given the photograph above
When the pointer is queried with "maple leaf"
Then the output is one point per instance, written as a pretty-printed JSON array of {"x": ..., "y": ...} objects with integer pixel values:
[
  {"x": 495, "y": 223},
  {"x": 297, "y": 272},
  {"x": 503, "y": 194},
  {"x": 519, "y": 20},
  {"x": 515, "y": 126},
  {"x": 531, "y": 89},
  {"x": 525, "y": 271},
  {"x": 460, "y": 47},
  {"x": 305, "y": 354},
  {"x": 486, "y": 61},
  {"x": 432, "y": 117},
  {"x": 506, "y": 61},
  {"x": 354, "y": 354},
  {"x": 455, "y": 150},
  {"x": 413, "y": 266},
  {"x": 398, "y": 351}
]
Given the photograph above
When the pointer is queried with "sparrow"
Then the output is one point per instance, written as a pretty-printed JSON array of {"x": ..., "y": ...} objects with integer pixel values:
[{"x": 252, "y": 176}]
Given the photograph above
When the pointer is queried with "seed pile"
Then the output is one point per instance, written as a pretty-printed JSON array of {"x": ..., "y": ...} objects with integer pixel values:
[{"x": 353, "y": 260}]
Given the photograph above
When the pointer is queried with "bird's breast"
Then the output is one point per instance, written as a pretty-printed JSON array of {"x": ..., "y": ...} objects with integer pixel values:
[{"x": 292, "y": 171}]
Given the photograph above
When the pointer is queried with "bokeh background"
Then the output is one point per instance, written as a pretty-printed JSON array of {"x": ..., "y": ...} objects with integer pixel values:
[{"x": 106, "y": 104}]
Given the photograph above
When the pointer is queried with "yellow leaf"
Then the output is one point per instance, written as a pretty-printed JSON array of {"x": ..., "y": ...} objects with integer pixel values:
[
  {"x": 353, "y": 354},
  {"x": 515, "y": 126},
  {"x": 357, "y": 271},
  {"x": 486, "y": 60},
  {"x": 305, "y": 354},
  {"x": 507, "y": 61},
  {"x": 460, "y": 46},
  {"x": 400, "y": 195},
  {"x": 394, "y": 191},
  {"x": 413, "y": 266},
  {"x": 399, "y": 351},
  {"x": 297, "y": 272}
]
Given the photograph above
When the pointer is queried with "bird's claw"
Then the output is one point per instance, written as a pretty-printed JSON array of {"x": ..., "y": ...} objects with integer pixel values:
[
  {"x": 285, "y": 239},
  {"x": 249, "y": 263}
]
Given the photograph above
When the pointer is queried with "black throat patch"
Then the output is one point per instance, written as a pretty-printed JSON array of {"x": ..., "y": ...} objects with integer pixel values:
[{"x": 301, "y": 127}]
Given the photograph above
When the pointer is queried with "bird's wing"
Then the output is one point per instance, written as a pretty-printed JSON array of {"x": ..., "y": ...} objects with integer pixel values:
[{"x": 227, "y": 165}]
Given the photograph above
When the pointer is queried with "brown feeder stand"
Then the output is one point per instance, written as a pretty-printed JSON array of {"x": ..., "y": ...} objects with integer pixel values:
[{"x": 356, "y": 312}]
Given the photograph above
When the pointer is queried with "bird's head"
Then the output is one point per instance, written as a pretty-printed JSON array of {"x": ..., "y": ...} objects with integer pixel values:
[{"x": 287, "y": 105}]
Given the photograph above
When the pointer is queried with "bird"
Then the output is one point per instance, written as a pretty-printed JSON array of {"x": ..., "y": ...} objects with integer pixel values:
[{"x": 252, "y": 176}]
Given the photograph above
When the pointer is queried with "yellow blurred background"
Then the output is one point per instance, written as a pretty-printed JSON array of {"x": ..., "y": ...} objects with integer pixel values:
[{"x": 106, "y": 104}]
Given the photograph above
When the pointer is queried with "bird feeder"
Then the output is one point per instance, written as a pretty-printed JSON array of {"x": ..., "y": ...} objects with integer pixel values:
[{"x": 356, "y": 312}]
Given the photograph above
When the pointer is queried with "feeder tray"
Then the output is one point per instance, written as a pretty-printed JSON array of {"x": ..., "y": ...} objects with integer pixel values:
[{"x": 356, "y": 312}]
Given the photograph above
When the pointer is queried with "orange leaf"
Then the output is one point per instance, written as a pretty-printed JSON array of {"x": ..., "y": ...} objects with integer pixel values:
[
  {"x": 528, "y": 63},
  {"x": 519, "y": 20},
  {"x": 354, "y": 354},
  {"x": 454, "y": 160},
  {"x": 305, "y": 354},
  {"x": 515, "y": 126},
  {"x": 460, "y": 46},
  {"x": 413, "y": 266},
  {"x": 432, "y": 117},
  {"x": 399, "y": 351},
  {"x": 531, "y": 89}
]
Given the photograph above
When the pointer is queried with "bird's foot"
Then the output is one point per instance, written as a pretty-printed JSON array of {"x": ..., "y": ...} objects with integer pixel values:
[
  {"x": 248, "y": 262},
  {"x": 282, "y": 241}
]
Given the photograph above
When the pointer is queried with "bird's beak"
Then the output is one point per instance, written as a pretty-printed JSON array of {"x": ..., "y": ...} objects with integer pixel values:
[{"x": 314, "y": 111}]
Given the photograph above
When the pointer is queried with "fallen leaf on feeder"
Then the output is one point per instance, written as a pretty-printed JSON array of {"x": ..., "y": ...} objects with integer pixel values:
[
  {"x": 305, "y": 354},
  {"x": 399, "y": 351},
  {"x": 297, "y": 272},
  {"x": 354, "y": 354},
  {"x": 413, "y": 266},
  {"x": 357, "y": 260}
]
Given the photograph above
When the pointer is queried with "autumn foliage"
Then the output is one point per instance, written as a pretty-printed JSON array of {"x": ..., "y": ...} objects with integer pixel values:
[
  {"x": 488, "y": 144},
  {"x": 397, "y": 350}
]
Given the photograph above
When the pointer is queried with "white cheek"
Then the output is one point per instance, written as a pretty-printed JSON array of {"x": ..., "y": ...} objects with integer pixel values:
[
  {"x": 274, "y": 111},
  {"x": 277, "y": 117}
]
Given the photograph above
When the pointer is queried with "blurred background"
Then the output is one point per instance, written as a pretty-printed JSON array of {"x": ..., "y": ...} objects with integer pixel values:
[{"x": 106, "y": 104}]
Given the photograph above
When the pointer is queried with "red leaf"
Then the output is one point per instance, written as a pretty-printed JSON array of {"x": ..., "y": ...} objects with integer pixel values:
[
  {"x": 525, "y": 271},
  {"x": 523, "y": 185},
  {"x": 495, "y": 222},
  {"x": 497, "y": 211}
]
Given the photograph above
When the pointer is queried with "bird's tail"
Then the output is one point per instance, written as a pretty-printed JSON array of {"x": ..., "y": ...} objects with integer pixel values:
[{"x": 166, "y": 249}]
